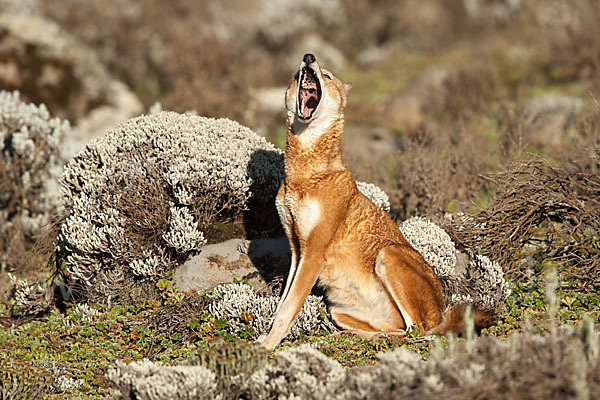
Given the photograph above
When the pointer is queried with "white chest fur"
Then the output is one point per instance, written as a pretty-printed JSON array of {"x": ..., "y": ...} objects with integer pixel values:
[
  {"x": 308, "y": 216},
  {"x": 305, "y": 213}
]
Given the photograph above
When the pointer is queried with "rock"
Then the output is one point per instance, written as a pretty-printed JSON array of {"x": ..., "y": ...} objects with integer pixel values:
[
  {"x": 429, "y": 88},
  {"x": 258, "y": 261},
  {"x": 497, "y": 11},
  {"x": 548, "y": 118},
  {"x": 402, "y": 112},
  {"x": 19, "y": 7},
  {"x": 270, "y": 100},
  {"x": 47, "y": 65},
  {"x": 375, "y": 54},
  {"x": 361, "y": 143},
  {"x": 269, "y": 24}
]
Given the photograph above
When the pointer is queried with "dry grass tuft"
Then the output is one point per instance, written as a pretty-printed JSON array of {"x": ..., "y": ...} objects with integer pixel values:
[
  {"x": 175, "y": 318},
  {"x": 541, "y": 214},
  {"x": 433, "y": 170}
]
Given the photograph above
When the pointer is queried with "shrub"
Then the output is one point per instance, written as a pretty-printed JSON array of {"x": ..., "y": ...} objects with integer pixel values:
[
  {"x": 436, "y": 169},
  {"x": 30, "y": 164},
  {"x": 479, "y": 281},
  {"x": 571, "y": 39},
  {"x": 137, "y": 199},
  {"x": 375, "y": 194},
  {"x": 300, "y": 372},
  {"x": 541, "y": 214},
  {"x": 561, "y": 365},
  {"x": 243, "y": 309},
  {"x": 151, "y": 381},
  {"x": 467, "y": 92},
  {"x": 29, "y": 298}
]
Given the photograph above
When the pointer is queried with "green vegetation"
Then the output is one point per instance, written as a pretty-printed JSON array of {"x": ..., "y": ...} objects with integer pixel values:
[
  {"x": 491, "y": 120},
  {"x": 85, "y": 344}
]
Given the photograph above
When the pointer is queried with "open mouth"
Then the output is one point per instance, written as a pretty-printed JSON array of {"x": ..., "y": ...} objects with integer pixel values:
[{"x": 309, "y": 93}]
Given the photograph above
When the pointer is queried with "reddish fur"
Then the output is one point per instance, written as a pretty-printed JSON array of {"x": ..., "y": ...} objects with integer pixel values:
[{"x": 374, "y": 278}]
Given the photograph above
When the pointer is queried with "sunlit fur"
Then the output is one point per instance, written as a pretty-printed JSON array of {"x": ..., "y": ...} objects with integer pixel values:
[{"x": 376, "y": 283}]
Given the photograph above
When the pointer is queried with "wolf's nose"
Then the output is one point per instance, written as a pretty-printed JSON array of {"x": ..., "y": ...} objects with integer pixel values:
[{"x": 309, "y": 58}]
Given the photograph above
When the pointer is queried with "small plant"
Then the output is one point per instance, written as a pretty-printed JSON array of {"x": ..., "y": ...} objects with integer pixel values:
[
  {"x": 30, "y": 164},
  {"x": 249, "y": 314},
  {"x": 21, "y": 379}
]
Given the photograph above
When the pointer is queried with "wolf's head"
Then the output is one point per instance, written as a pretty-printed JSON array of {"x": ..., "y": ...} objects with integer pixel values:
[{"x": 315, "y": 97}]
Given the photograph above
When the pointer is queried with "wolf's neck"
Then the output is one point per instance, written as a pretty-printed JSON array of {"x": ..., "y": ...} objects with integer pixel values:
[{"x": 313, "y": 150}]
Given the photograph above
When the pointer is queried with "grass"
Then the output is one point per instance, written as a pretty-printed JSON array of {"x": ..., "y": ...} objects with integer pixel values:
[
  {"x": 85, "y": 344},
  {"x": 79, "y": 347}
]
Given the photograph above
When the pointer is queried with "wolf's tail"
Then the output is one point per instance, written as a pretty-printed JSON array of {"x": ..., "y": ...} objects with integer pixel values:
[{"x": 453, "y": 320}]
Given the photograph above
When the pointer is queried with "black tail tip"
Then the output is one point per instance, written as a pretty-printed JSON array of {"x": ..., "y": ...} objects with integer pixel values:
[{"x": 309, "y": 58}]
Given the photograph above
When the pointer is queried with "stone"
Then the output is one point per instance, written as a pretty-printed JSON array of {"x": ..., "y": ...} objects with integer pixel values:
[
  {"x": 48, "y": 65},
  {"x": 361, "y": 143},
  {"x": 257, "y": 261},
  {"x": 548, "y": 119},
  {"x": 402, "y": 112}
]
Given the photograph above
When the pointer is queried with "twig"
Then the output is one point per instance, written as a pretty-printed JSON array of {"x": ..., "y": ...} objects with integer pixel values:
[{"x": 593, "y": 98}]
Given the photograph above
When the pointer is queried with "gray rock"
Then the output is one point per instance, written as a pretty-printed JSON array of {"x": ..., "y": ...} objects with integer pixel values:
[
  {"x": 499, "y": 11},
  {"x": 402, "y": 112},
  {"x": 258, "y": 261},
  {"x": 548, "y": 118},
  {"x": 48, "y": 65},
  {"x": 360, "y": 143}
]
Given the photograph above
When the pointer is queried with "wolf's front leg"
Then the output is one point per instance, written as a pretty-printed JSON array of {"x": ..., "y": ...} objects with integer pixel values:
[
  {"x": 286, "y": 221},
  {"x": 307, "y": 272}
]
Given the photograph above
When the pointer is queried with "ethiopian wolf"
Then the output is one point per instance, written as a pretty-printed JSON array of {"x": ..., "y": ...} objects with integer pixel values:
[{"x": 375, "y": 281}]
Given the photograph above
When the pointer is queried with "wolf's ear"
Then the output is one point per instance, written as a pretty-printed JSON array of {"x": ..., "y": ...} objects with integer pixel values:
[{"x": 347, "y": 87}]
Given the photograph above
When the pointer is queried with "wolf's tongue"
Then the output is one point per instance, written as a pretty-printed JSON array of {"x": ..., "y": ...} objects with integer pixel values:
[{"x": 309, "y": 101}]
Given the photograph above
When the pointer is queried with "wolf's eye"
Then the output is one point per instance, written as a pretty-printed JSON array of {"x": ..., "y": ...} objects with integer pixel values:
[{"x": 327, "y": 76}]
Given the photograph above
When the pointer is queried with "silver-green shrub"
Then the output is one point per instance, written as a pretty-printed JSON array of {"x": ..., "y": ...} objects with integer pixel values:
[
  {"x": 298, "y": 373},
  {"x": 482, "y": 283},
  {"x": 138, "y": 198},
  {"x": 30, "y": 298},
  {"x": 30, "y": 164},
  {"x": 152, "y": 381},
  {"x": 375, "y": 194},
  {"x": 243, "y": 309}
]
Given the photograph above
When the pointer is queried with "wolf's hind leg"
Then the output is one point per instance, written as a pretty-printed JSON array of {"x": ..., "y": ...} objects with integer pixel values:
[
  {"x": 358, "y": 327},
  {"x": 412, "y": 284}
]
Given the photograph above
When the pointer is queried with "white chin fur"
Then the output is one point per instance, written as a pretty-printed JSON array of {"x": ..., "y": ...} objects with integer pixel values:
[{"x": 322, "y": 118}]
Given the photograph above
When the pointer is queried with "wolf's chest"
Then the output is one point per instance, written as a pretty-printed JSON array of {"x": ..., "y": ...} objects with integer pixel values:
[{"x": 301, "y": 213}]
